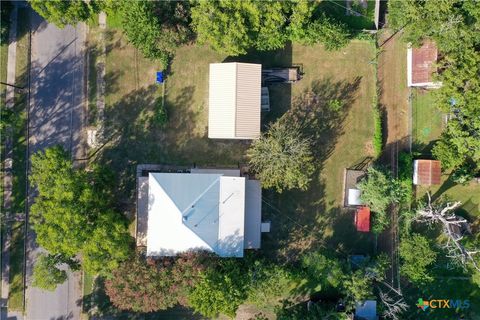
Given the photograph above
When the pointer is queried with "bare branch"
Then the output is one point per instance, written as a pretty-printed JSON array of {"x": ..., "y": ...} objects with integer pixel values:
[
  {"x": 451, "y": 224},
  {"x": 393, "y": 307}
]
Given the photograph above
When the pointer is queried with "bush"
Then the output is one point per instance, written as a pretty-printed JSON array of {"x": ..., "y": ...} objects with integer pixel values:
[
  {"x": 377, "y": 133},
  {"x": 405, "y": 175},
  {"x": 221, "y": 289},
  {"x": 333, "y": 35},
  {"x": 282, "y": 157},
  {"x": 269, "y": 283}
]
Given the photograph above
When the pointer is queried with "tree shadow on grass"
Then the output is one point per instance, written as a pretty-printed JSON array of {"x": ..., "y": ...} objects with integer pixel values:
[
  {"x": 136, "y": 137},
  {"x": 300, "y": 218}
]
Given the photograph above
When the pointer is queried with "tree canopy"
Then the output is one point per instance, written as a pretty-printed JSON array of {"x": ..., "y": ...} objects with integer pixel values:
[
  {"x": 282, "y": 157},
  {"x": 46, "y": 273},
  {"x": 61, "y": 12},
  {"x": 233, "y": 27},
  {"x": 156, "y": 28},
  {"x": 72, "y": 213}
]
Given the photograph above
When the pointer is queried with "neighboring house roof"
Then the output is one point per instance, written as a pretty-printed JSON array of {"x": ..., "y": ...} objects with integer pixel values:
[
  {"x": 366, "y": 310},
  {"x": 421, "y": 65},
  {"x": 201, "y": 211},
  {"x": 234, "y": 100},
  {"x": 426, "y": 172},
  {"x": 362, "y": 219},
  {"x": 350, "y": 179}
]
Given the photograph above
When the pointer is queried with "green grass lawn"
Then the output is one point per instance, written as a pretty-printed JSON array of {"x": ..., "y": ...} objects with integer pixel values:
[
  {"x": 15, "y": 298},
  {"x": 427, "y": 120}
]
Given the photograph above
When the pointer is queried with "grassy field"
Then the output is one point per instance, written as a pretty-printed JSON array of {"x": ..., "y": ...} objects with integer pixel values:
[
  {"x": 427, "y": 120},
  {"x": 19, "y": 163}
]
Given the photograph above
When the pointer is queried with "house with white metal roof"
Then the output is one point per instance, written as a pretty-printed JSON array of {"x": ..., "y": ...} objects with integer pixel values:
[
  {"x": 234, "y": 100},
  {"x": 212, "y": 210}
]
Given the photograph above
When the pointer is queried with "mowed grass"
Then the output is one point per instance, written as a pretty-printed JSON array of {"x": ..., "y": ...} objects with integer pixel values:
[
  {"x": 131, "y": 96},
  {"x": 15, "y": 298},
  {"x": 303, "y": 221},
  {"x": 427, "y": 120}
]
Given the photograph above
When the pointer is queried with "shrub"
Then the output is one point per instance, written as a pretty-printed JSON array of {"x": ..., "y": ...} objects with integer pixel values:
[
  {"x": 270, "y": 282},
  {"x": 405, "y": 175},
  {"x": 377, "y": 133},
  {"x": 221, "y": 289}
]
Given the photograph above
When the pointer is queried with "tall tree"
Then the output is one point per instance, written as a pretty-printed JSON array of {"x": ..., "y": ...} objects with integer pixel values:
[
  {"x": 62, "y": 12},
  {"x": 282, "y": 157},
  {"x": 72, "y": 212}
]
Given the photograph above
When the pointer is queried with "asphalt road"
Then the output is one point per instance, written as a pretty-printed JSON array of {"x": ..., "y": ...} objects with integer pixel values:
[{"x": 55, "y": 117}]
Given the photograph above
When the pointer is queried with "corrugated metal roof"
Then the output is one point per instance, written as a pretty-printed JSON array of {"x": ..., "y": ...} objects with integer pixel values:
[
  {"x": 234, "y": 100},
  {"x": 362, "y": 219},
  {"x": 427, "y": 172}
]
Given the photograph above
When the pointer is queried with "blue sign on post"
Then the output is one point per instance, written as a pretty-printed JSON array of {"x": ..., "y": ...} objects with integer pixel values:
[{"x": 159, "y": 76}]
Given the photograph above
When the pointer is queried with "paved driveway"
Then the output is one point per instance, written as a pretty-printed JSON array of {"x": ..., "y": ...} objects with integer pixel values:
[{"x": 56, "y": 113}]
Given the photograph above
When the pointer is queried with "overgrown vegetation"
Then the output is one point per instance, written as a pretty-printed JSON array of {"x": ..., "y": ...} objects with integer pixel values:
[
  {"x": 156, "y": 28},
  {"x": 233, "y": 27}
]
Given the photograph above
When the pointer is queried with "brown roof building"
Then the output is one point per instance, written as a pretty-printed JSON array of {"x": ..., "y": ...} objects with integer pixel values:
[
  {"x": 427, "y": 172},
  {"x": 421, "y": 65}
]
